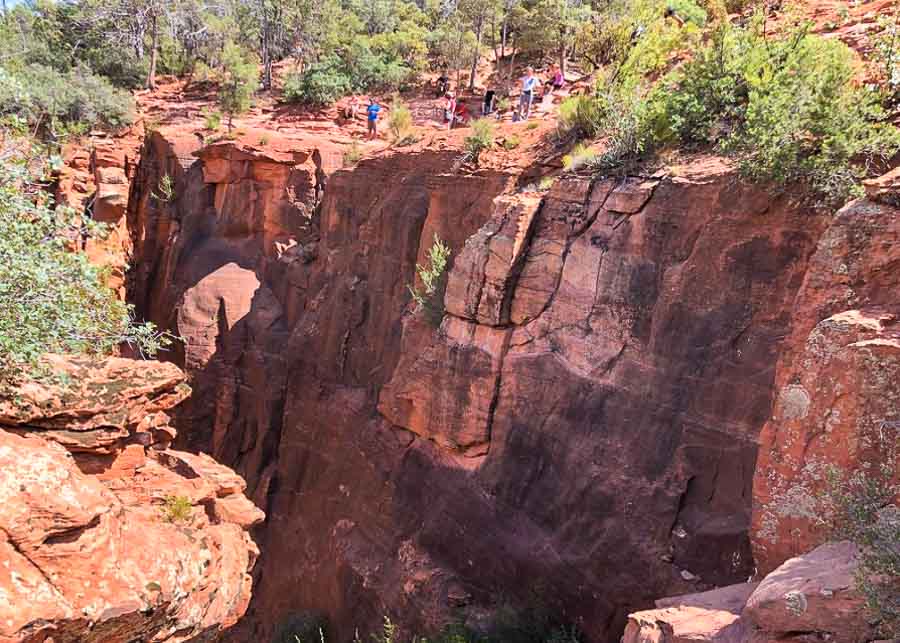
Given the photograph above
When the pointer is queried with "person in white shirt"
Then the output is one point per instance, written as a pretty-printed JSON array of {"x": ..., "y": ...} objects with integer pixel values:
[{"x": 526, "y": 98}]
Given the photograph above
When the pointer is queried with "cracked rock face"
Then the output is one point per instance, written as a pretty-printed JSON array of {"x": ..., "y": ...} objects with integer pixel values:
[
  {"x": 838, "y": 380},
  {"x": 578, "y": 431},
  {"x": 89, "y": 551}
]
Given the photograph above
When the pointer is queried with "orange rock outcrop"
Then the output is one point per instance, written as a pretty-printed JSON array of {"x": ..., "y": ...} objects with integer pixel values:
[{"x": 91, "y": 554}]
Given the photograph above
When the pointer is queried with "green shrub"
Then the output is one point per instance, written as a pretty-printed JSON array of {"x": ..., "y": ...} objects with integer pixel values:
[
  {"x": 860, "y": 506},
  {"x": 165, "y": 190},
  {"x": 352, "y": 154},
  {"x": 399, "y": 120},
  {"x": 581, "y": 117},
  {"x": 388, "y": 633},
  {"x": 432, "y": 276},
  {"x": 355, "y": 69},
  {"x": 786, "y": 107},
  {"x": 51, "y": 100},
  {"x": 511, "y": 142},
  {"x": 806, "y": 120},
  {"x": 319, "y": 85},
  {"x": 240, "y": 77},
  {"x": 481, "y": 139},
  {"x": 176, "y": 509},
  {"x": 52, "y": 300},
  {"x": 579, "y": 157},
  {"x": 212, "y": 119},
  {"x": 124, "y": 71}
]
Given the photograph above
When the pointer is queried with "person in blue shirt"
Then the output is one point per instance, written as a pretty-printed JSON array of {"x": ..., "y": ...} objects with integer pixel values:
[
  {"x": 372, "y": 112},
  {"x": 526, "y": 98}
]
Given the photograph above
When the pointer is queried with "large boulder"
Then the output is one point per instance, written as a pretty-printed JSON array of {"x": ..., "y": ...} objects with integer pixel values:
[
  {"x": 812, "y": 593},
  {"x": 808, "y": 598},
  {"x": 713, "y": 616}
]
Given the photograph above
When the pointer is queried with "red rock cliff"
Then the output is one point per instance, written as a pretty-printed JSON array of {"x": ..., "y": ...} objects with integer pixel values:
[
  {"x": 579, "y": 432},
  {"x": 90, "y": 551}
]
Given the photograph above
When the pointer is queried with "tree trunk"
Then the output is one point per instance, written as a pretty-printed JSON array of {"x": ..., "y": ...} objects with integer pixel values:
[
  {"x": 476, "y": 57},
  {"x": 457, "y": 65},
  {"x": 154, "y": 46},
  {"x": 494, "y": 43},
  {"x": 266, "y": 59},
  {"x": 562, "y": 57},
  {"x": 267, "y": 27}
]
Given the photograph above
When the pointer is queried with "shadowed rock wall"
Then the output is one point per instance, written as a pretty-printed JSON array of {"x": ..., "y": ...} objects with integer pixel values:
[{"x": 579, "y": 432}]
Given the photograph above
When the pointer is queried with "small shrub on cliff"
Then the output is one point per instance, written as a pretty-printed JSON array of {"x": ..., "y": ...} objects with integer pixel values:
[
  {"x": 176, "y": 509},
  {"x": 580, "y": 156},
  {"x": 303, "y": 627},
  {"x": 212, "y": 119},
  {"x": 480, "y": 140},
  {"x": 166, "y": 189},
  {"x": 400, "y": 122},
  {"x": 51, "y": 298},
  {"x": 581, "y": 117},
  {"x": 352, "y": 154},
  {"x": 861, "y": 506},
  {"x": 431, "y": 297}
]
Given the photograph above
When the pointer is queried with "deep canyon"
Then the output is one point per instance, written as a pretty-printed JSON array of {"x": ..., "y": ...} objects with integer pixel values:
[{"x": 630, "y": 380}]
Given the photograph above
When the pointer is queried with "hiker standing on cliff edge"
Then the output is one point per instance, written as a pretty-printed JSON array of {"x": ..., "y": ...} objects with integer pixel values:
[
  {"x": 529, "y": 84},
  {"x": 372, "y": 112}
]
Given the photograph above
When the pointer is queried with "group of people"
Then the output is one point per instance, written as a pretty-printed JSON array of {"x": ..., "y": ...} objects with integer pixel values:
[{"x": 455, "y": 111}]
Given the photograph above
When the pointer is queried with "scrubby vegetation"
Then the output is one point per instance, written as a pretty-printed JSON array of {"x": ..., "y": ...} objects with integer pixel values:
[
  {"x": 51, "y": 298},
  {"x": 433, "y": 278},
  {"x": 861, "y": 506},
  {"x": 352, "y": 154},
  {"x": 480, "y": 140},
  {"x": 400, "y": 123},
  {"x": 54, "y": 103},
  {"x": 176, "y": 509},
  {"x": 786, "y": 106},
  {"x": 508, "y": 626},
  {"x": 237, "y": 83}
]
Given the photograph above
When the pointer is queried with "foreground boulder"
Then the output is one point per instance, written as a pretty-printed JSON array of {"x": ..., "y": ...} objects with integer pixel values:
[
  {"x": 809, "y": 598},
  {"x": 107, "y": 534}
]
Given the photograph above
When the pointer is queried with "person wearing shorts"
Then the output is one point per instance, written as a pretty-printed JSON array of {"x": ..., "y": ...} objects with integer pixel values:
[{"x": 372, "y": 118}]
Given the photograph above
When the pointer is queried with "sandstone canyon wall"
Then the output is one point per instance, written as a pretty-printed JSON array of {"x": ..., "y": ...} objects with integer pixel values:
[
  {"x": 580, "y": 428},
  {"x": 89, "y": 554}
]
